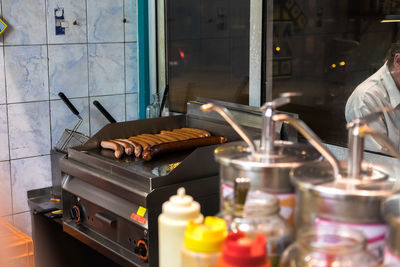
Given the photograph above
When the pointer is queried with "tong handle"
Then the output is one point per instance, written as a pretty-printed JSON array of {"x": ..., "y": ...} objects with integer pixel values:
[
  {"x": 69, "y": 104},
  {"x": 104, "y": 111}
]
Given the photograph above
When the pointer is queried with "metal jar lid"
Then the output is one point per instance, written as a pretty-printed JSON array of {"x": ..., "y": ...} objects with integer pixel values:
[
  {"x": 285, "y": 155},
  {"x": 346, "y": 199}
]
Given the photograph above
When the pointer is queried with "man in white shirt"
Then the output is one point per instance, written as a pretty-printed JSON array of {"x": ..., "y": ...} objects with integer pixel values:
[{"x": 377, "y": 92}]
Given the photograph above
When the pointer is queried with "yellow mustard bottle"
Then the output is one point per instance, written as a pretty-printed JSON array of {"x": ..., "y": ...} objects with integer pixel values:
[{"x": 203, "y": 242}]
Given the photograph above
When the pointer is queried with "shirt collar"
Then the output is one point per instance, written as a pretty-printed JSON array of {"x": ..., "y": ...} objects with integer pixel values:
[{"x": 391, "y": 88}]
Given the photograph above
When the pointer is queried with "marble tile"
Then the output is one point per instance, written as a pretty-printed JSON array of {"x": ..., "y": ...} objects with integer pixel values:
[
  {"x": 5, "y": 189},
  {"x": 131, "y": 67},
  {"x": 4, "y": 151},
  {"x": 68, "y": 70},
  {"x": 8, "y": 219},
  {"x": 113, "y": 104},
  {"x": 22, "y": 221},
  {"x": 26, "y": 20},
  {"x": 132, "y": 107},
  {"x": 105, "y": 21},
  {"x": 2, "y": 78},
  {"x": 131, "y": 20},
  {"x": 74, "y": 18},
  {"x": 28, "y": 174},
  {"x": 106, "y": 69},
  {"x": 62, "y": 118},
  {"x": 29, "y": 129},
  {"x": 26, "y": 73}
]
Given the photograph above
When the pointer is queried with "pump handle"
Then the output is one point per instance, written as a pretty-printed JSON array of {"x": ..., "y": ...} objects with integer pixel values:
[
  {"x": 381, "y": 139},
  {"x": 283, "y": 99},
  {"x": 369, "y": 118},
  {"x": 313, "y": 139},
  {"x": 229, "y": 118}
]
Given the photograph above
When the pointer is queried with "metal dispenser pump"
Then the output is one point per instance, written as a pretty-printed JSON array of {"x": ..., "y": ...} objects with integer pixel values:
[
  {"x": 264, "y": 164},
  {"x": 352, "y": 196}
]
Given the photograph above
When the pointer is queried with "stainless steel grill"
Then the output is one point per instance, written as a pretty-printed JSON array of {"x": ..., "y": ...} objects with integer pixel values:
[{"x": 102, "y": 195}]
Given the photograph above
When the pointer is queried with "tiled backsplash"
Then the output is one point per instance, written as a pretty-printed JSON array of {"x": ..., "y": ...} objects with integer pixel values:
[{"x": 96, "y": 59}]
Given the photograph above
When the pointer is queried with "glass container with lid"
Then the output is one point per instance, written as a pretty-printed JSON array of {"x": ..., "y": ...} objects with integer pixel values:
[
  {"x": 261, "y": 216},
  {"x": 266, "y": 163},
  {"x": 350, "y": 193},
  {"x": 328, "y": 247}
]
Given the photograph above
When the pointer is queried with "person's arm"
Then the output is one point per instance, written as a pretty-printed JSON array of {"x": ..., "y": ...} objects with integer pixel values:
[{"x": 361, "y": 106}]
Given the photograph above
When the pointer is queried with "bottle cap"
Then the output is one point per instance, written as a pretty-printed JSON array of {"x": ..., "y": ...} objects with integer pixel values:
[
  {"x": 181, "y": 206},
  {"x": 208, "y": 237},
  {"x": 239, "y": 250}
]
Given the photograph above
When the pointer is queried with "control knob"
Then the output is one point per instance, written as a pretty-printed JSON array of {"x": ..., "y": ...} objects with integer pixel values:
[
  {"x": 76, "y": 213},
  {"x": 142, "y": 250}
]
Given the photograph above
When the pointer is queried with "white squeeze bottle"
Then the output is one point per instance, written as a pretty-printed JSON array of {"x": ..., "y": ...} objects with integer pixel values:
[{"x": 172, "y": 222}]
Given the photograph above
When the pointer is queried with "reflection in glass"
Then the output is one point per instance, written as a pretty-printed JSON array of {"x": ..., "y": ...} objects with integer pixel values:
[{"x": 325, "y": 49}]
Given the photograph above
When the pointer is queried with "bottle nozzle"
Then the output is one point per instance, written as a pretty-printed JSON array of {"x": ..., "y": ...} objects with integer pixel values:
[{"x": 181, "y": 192}]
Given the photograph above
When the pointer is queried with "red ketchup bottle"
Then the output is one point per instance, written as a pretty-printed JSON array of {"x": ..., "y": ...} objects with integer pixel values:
[{"x": 241, "y": 251}]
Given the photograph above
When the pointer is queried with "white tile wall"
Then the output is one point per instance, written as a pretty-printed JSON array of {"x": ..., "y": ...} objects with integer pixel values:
[
  {"x": 23, "y": 222},
  {"x": 5, "y": 189},
  {"x": 131, "y": 68},
  {"x": 26, "y": 73},
  {"x": 105, "y": 21},
  {"x": 106, "y": 69},
  {"x": 68, "y": 70},
  {"x": 29, "y": 129},
  {"x": 28, "y": 174},
  {"x": 96, "y": 59},
  {"x": 26, "y": 20},
  {"x": 4, "y": 148}
]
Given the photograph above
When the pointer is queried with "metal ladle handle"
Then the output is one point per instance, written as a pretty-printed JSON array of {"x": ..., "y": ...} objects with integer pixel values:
[
  {"x": 313, "y": 139},
  {"x": 229, "y": 118}
]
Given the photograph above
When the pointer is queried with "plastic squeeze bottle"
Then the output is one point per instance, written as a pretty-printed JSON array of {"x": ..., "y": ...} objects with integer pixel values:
[
  {"x": 172, "y": 223},
  {"x": 203, "y": 242},
  {"x": 241, "y": 251}
]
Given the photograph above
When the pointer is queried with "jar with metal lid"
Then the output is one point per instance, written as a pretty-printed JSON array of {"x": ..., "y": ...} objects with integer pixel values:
[
  {"x": 328, "y": 247},
  {"x": 348, "y": 193},
  {"x": 266, "y": 163},
  {"x": 261, "y": 216},
  {"x": 391, "y": 213}
]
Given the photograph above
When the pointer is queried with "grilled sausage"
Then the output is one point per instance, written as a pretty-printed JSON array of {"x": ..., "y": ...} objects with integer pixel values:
[
  {"x": 156, "y": 137},
  {"x": 137, "y": 148},
  {"x": 178, "y": 136},
  {"x": 150, "y": 138},
  {"x": 141, "y": 142},
  {"x": 164, "y": 148},
  {"x": 186, "y": 133},
  {"x": 118, "y": 149},
  {"x": 128, "y": 148},
  {"x": 167, "y": 137},
  {"x": 204, "y": 132}
]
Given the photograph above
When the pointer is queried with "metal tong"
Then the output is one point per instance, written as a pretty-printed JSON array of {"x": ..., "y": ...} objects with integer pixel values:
[{"x": 76, "y": 113}]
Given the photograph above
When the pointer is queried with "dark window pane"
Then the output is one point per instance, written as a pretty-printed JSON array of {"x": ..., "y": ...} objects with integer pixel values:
[{"x": 208, "y": 51}]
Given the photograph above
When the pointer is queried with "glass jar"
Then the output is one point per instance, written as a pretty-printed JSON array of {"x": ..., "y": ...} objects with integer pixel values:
[
  {"x": 328, "y": 247},
  {"x": 260, "y": 215},
  {"x": 153, "y": 109}
]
